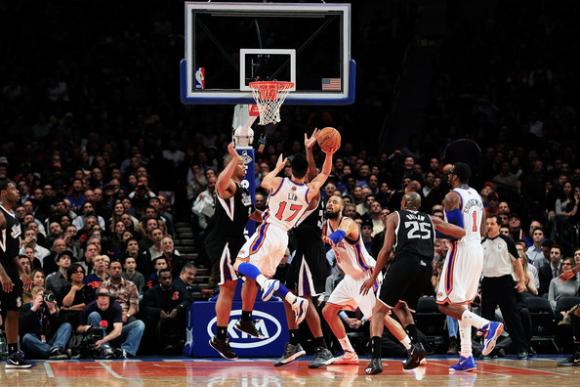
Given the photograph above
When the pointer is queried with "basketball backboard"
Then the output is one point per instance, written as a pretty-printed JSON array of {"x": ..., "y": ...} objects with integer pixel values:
[{"x": 229, "y": 45}]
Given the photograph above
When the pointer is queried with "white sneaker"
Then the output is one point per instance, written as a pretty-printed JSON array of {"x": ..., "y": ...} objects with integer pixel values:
[
  {"x": 348, "y": 358},
  {"x": 270, "y": 287},
  {"x": 300, "y": 307}
]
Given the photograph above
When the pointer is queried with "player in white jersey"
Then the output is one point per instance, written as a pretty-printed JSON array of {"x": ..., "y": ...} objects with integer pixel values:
[
  {"x": 288, "y": 200},
  {"x": 352, "y": 258},
  {"x": 463, "y": 265}
]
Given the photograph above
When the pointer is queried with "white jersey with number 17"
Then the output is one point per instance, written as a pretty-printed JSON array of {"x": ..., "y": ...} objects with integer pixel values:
[{"x": 287, "y": 204}]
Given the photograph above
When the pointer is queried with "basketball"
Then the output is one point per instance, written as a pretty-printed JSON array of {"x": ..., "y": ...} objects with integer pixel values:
[{"x": 328, "y": 139}]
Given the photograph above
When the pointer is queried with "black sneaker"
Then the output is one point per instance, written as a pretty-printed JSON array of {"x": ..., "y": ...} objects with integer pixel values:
[
  {"x": 17, "y": 360},
  {"x": 249, "y": 328},
  {"x": 375, "y": 366},
  {"x": 416, "y": 355},
  {"x": 573, "y": 361},
  {"x": 291, "y": 353},
  {"x": 58, "y": 354},
  {"x": 322, "y": 357},
  {"x": 223, "y": 348}
]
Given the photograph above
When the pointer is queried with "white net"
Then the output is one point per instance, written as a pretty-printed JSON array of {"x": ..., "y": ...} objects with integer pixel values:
[{"x": 269, "y": 96}]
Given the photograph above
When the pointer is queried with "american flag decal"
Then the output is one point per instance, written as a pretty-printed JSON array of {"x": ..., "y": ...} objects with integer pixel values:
[{"x": 331, "y": 84}]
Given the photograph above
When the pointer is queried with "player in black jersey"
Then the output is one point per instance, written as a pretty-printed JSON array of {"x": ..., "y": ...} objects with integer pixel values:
[
  {"x": 12, "y": 273},
  {"x": 233, "y": 209},
  {"x": 412, "y": 234},
  {"x": 307, "y": 274}
]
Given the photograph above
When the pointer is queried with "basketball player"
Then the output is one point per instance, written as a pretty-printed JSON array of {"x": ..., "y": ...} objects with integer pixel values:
[
  {"x": 412, "y": 235},
  {"x": 307, "y": 274},
  {"x": 343, "y": 235},
  {"x": 223, "y": 241},
  {"x": 288, "y": 200},
  {"x": 463, "y": 265},
  {"x": 12, "y": 273}
]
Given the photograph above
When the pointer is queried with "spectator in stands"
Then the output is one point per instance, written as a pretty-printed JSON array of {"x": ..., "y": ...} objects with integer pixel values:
[
  {"x": 89, "y": 256},
  {"x": 37, "y": 277},
  {"x": 99, "y": 274},
  {"x": 515, "y": 226},
  {"x": 77, "y": 295},
  {"x": 174, "y": 260},
  {"x": 550, "y": 269},
  {"x": 43, "y": 333},
  {"x": 49, "y": 264},
  {"x": 164, "y": 311},
  {"x": 87, "y": 210},
  {"x": 57, "y": 281},
  {"x": 159, "y": 263},
  {"x": 131, "y": 273},
  {"x": 535, "y": 252},
  {"x": 563, "y": 288},
  {"x": 204, "y": 205},
  {"x": 155, "y": 250},
  {"x": 124, "y": 291},
  {"x": 75, "y": 196},
  {"x": 25, "y": 263},
  {"x": 30, "y": 240},
  {"x": 127, "y": 335}
]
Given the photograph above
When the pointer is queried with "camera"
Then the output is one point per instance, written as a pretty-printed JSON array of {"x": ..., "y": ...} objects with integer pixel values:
[
  {"x": 49, "y": 297},
  {"x": 88, "y": 348}
]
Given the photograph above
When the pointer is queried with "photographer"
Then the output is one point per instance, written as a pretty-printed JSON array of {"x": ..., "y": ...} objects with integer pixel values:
[
  {"x": 105, "y": 308},
  {"x": 44, "y": 332}
]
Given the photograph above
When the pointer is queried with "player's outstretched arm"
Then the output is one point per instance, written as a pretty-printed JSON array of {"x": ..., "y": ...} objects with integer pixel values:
[
  {"x": 447, "y": 229},
  {"x": 271, "y": 181},
  {"x": 309, "y": 143},
  {"x": 347, "y": 229},
  {"x": 225, "y": 186},
  {"x": 316, "y": 184}
]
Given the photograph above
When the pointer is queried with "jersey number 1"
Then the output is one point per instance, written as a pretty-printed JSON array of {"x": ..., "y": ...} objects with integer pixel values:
[
  {"x": 295, "y": 208},
  {"x": 475, "y": 227}
]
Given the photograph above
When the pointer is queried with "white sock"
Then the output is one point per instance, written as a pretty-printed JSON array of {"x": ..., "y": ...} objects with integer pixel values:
[
  {"x": 406, "y": 342},
  {"x": 261, "y": 280},
  {"x": 474, "y": 320},
  {"x": 345, "y": 344},
  {"x": 465, "y": 335},
  {"x": 291, "y": 298}
]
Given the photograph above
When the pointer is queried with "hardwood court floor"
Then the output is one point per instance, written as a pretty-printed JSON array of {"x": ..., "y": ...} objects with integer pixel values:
[{"x": 247, "y": 372}]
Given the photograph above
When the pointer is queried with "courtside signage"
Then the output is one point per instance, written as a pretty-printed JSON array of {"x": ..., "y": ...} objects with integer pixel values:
[{"x": 268, "y": 326}]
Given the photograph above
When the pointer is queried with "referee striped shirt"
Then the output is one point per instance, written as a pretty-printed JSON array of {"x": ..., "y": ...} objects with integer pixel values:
[{"x": 499, "y": 253}]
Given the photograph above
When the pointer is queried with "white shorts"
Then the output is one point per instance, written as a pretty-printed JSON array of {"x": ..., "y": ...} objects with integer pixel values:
[
  {"x": 461, "y": 273},
  {"x": 265, "y": 249},
  {"x": 347, "y": 294}
]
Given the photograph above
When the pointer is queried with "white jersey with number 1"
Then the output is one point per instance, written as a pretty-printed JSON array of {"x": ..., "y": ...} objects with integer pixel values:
[{"x": 464, "y": 262}]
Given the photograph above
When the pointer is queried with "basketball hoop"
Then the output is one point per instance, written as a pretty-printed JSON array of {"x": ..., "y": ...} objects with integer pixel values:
[{"x": 269, "y": 96}]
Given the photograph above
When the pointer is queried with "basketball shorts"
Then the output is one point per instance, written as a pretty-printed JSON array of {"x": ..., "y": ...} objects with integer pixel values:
[
  {"x": 11, "y": 301},
  {"x": 347, "y": 294},
  {"x": 223, "y": 252},
  {"x": 265, "y": 249},
  {"x": 408, "y": 278},
  {"x": 461, "y": 273},
  {"x": 309, "y": 268}
]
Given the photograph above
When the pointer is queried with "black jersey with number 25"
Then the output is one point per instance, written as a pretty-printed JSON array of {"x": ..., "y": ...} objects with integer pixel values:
[{"x": 415, "y": 234}]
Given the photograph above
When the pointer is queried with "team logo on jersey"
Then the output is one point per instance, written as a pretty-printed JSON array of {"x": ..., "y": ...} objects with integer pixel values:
[
  {"x": 245, "y": 184},
  {"x": 268, "y": 326}
]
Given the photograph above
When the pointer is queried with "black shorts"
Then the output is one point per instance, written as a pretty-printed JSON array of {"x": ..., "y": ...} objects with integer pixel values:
[
  {"x": 223, "y": 253},
  {"x": 408, "y": 278},
  {"x": 11, "y": 301},
  {"x": 309, "y": 268}
]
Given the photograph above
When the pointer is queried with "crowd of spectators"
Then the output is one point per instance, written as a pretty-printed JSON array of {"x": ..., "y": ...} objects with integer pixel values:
[{"x": 107, "y": 160}]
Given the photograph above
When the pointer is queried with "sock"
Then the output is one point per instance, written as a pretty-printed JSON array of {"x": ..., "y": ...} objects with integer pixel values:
[
  {"x": 12, "y": 348},
  {"x": 222, "y": 333},
  {"x": 465, "y": 335},
  {"x": 412, "y": 331},
  {"x": 376, "y": 347},
  {"x": 319, "y": 342},
  {"x": 246, "y": 316},
  {"x": 294, "y": 340},
  {"x": 345, "y": 344},
  {"x": 473, "y": 320},
  {"x": 251, "y": 271},
  {"x": 282, "y": 291},
  {"x": 406, "y": 343}
]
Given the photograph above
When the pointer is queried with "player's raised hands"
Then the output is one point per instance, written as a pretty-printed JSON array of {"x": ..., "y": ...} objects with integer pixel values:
[
  {"x": 310, "y": 141},
  {"x": 232, "y": 151},
  {"x": 281, "y": 163}
]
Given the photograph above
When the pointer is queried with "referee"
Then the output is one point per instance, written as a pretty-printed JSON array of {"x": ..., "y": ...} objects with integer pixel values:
[{"x": 500, "y": 260}]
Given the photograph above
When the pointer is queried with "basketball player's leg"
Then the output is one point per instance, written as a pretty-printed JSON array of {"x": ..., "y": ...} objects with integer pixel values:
[
  {"x": 380, "y": 310},
  {"x": 223, "y": 308},
  {"x": 11, "y": 303}
]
